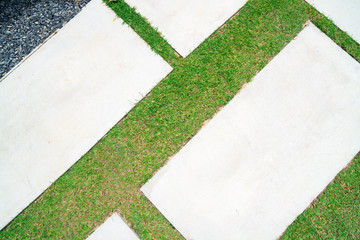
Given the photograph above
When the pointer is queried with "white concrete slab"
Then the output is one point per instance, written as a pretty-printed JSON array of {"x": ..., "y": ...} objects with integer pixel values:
[
  {"x": 263, "y": 158},
  {"x": 114, "y": 228},
  {"x": 65, "y": 97},
  {"x": 345, "y": 14},
  {"x": 186, "y": 23}
]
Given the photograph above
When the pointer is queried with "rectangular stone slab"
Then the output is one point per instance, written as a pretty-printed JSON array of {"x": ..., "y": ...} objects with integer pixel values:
[
  {"x": 267, "y": 154},
  {"x": 114, "y": 228},
  {"x": 186, "y": 23},
  {"x": 344, "y": 13},
  {"x": 58, "y": 103}
]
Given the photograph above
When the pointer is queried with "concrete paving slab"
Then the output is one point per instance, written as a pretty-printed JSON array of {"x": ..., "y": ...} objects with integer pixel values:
[
  {"x": 186, "y": 23},
  {"x": 58, "y": 103},
  {"x": 345, "y": 14},
  {"x": 267, "y": 154},
  {"x": 114, "y": 228}
]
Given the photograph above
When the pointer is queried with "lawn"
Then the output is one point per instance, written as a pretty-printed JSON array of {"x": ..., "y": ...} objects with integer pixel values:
[{"x": 109, "y": 176}]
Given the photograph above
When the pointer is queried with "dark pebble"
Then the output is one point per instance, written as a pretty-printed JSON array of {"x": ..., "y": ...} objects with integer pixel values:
[{"x": 25, "y": 24}]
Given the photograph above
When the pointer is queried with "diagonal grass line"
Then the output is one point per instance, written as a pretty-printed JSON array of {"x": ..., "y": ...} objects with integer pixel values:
[
  {"x": 332, "y": 31},
  {"x": 143, "y": 28},
  {"x": 335, "y": 213},
  {"x": 109, "y": 176}
]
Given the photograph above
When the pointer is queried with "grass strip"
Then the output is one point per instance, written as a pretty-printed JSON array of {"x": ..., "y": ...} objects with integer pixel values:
[
  {"x": 335, "y": 214},
  {"x": 142, "y": 27},
  {"x": 109, "y": 176}
]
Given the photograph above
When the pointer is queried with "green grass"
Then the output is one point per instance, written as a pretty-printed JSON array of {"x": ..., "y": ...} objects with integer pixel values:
[
  {"x": 109, "y": 176},
  {"x": 145, "y": 30},
  {"x": 335, "y": 214}
]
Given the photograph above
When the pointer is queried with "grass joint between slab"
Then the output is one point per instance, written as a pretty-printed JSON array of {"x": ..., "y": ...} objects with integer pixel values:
[
  {"x": 143, "y": 28},
  {"x": 109, "y": 176}
]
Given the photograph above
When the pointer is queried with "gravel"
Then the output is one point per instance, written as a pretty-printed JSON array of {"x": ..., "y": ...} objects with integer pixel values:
[{"x": 25, "y": 24}]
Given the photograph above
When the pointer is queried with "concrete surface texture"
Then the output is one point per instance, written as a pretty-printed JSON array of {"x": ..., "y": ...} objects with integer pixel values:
[
  {"x": 58, "y": 103},
  {"x": 186, "y": 23},
  {"x": 114, "y": 228},
  {"x": 25, "y": 24},
  {"x": 345, "y": 14},
  {"x": 267, "y": 154}
]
